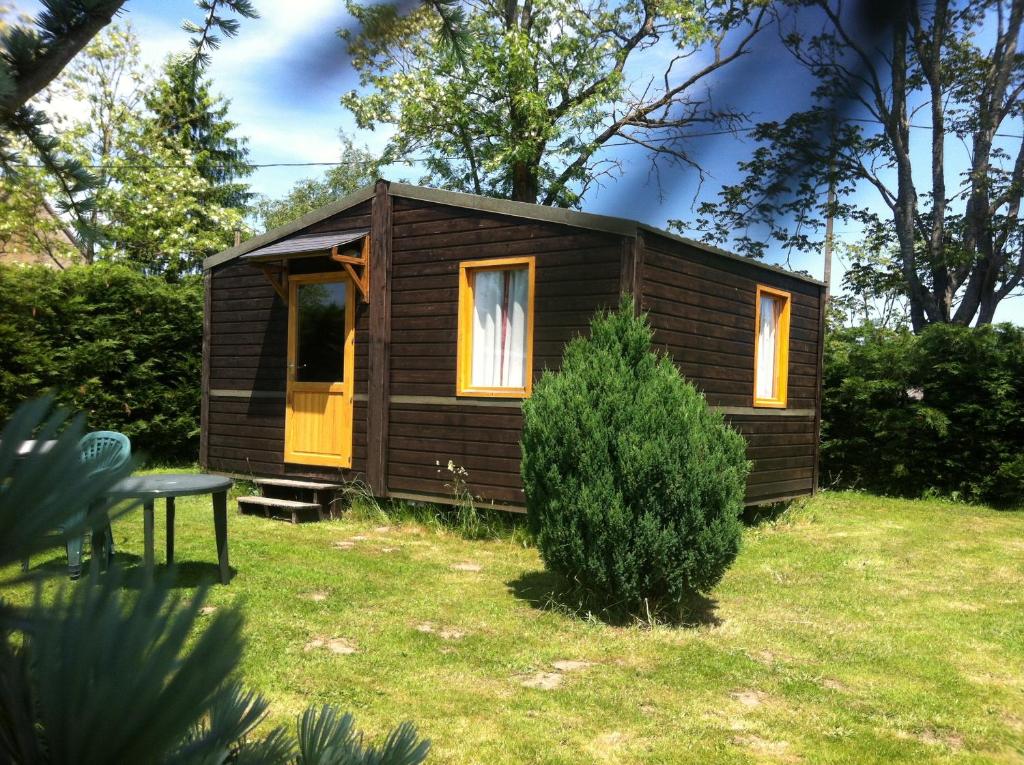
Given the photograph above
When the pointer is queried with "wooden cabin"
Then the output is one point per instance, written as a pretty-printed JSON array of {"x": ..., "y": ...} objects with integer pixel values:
[{"x": 401, "y": 327}]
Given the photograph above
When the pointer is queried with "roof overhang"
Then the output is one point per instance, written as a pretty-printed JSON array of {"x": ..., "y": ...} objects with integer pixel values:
[
  {"x": 302, "y": 246},
  {"x": 356, "y": 197},
  {"x": 621, "y": 226}
]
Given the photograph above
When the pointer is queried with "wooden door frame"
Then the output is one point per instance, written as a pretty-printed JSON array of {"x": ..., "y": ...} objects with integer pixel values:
[{"x": 345, "y": 388}]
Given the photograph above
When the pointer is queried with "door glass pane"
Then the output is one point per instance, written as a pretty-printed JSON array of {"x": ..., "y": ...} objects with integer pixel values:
[{"x": 320, "y": 356}]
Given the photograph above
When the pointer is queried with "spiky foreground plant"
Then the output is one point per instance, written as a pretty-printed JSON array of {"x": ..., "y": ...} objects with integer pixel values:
[{"x": 101, "y": 674}]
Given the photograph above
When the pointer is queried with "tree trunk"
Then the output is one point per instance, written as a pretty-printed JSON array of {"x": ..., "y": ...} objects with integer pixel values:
[{"x": 525, "y": 183}]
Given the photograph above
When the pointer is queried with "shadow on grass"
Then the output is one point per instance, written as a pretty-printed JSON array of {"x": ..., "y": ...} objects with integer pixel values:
[
  {"x": 548, "y": 591},
  {"x": 756, "y": 515},
  {"x": 187, "y": 575}
]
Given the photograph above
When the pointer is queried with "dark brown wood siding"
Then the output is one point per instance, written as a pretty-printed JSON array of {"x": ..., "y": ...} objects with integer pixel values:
[
  {"x": 248, "y": 349},
  {"x": 577, "y": 272},
  {"x": 702, "y": 309}
]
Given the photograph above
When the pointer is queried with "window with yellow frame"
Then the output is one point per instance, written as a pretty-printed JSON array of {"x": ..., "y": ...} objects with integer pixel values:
[
  {"x": 495, "y": 341},
  {"x": 771, "y": 347}
]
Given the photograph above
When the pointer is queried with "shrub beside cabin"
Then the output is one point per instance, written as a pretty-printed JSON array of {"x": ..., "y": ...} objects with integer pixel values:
[{"x": 401, "y": 327}]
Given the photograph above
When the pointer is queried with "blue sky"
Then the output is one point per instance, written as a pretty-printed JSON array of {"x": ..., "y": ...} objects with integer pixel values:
[{"x": 285, "y": 72}]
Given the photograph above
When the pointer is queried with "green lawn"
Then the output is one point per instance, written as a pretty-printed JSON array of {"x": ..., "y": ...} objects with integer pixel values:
[{"x": 852, "y": 629}]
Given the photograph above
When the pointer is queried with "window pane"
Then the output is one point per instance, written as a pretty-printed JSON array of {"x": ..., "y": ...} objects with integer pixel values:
[
  {"x": 767, "y": 348},
  {"x": 320, "y": 356},
  {"x": 499, "y": 328}
]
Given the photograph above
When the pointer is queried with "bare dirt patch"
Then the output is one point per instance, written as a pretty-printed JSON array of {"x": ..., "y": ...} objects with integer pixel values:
[
  {"x": 571, "y": 665},
  {"x": 317, "y": 596},
  {"x": 544, "y": 681},
  {"x": 445, "y": 633},
  {"x": 749, "y": 698},
  {"x": 466, "y": 566},
  {"x": 388, "y": 549},
  {"x": 340, "y": 646},
  {"x": 765, "y": 750},
  {"x": 207, "y": 610},
  {"x": 935, "y": 738},
  {"x": 834, "y": 685},
  {"x": 608, "y": 746},
  {"x": 382, "y": 530},
  {"x": 344, "y": 544}
]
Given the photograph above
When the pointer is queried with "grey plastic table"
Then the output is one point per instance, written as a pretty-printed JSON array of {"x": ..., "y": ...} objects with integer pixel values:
[{"x": 148, "y": 488}]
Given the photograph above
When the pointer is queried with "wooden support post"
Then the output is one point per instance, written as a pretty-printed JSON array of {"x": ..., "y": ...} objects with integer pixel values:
[
  {"x": 278, "y": 278},
  {"x": 204, "y": 384},
  {"x": 360, "y": 278},
  {"x": 379, "y": 388},
  {"x": 630, "y": 269}
]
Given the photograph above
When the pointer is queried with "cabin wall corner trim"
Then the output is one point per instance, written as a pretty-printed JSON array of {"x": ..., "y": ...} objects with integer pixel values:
[{"x": 379, "y": 374}]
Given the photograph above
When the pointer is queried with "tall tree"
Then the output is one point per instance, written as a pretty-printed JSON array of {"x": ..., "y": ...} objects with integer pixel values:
[
  {"x": 152, "y": 203},
  {"x": 34, "y": 52},
  {"x": 358, "y": 167},
  {"x": 526, "y": 107},
  {"x": 184, "y": 112},
  {"x": 958, "y": 245},
  {"x": 107, "y": 81}
]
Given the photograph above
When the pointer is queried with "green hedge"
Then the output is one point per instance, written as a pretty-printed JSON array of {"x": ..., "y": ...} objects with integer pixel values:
[
  {"x": 941, "y": 412},
  {"x": 121, "y": 347}
]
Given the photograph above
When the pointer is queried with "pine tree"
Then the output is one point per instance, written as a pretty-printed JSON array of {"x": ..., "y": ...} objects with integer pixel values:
[{"x": 187, "y": 115}]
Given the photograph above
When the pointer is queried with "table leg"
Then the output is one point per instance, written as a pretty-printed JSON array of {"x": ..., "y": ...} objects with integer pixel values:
[
  {"x": 147, "y": 522},
  {"x": 170, "y": 530},
  {"x": 220, "y": 527}
]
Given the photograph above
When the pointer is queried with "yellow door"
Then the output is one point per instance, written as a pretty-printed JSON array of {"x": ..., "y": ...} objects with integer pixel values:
[{"x": 321, "y": 354}]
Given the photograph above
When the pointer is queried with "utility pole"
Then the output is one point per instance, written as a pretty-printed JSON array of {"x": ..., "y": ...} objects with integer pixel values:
[
  {"x": 830, "y": 214},
  {"x": 827, "y": 278}
]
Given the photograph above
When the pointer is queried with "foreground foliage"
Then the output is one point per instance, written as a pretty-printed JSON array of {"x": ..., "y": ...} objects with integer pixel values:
[
  {"x": 852, "y": 629},
  {"x": 633, "y": 485},
  {"x": 99, "y": 673},
  {"x": 121, "y": 347},
  {"x": 939, "y": 412}
]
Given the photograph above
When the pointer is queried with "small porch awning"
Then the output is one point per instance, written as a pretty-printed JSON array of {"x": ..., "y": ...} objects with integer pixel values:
[
  {"x": 273, "y": 259},
  {"x": 303, "y": 246}
]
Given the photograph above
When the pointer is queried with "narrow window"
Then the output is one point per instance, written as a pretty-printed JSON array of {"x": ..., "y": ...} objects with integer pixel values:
[
  {"x": 495, "y": 343},
  {"x": 771, "y": 347}
]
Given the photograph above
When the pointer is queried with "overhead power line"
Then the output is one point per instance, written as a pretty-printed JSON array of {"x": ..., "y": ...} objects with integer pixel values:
[{"x": 415, "y": 160}]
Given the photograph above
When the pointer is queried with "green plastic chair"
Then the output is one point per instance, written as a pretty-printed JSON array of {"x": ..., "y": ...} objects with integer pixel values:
[{"x": 101, "y": 451}]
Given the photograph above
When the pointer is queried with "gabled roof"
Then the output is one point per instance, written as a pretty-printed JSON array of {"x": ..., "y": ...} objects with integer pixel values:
[{"x": 621, "y": 226}]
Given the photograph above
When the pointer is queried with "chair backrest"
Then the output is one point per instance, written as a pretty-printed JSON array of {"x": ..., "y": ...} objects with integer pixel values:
[{"x": 104, "y": 450}]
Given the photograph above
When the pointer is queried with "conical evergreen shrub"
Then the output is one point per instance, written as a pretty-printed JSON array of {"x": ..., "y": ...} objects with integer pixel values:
[{"x": 633, "y": 485}]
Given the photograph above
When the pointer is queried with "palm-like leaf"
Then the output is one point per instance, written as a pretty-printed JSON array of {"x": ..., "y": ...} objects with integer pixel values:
[
  {"x": 327, "y": 737},
  {"x": 232, "y": 714},
  {"x": 111, "y": 675},
  {"x": 102, "y": 674}
]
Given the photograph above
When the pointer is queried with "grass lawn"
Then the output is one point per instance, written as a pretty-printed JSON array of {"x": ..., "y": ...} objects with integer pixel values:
[{"x": 851, "y": 629}]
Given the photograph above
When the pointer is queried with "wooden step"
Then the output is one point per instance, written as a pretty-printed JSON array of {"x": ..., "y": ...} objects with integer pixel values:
[
  {"x": 291, "y": 483},
  {"x": 283, "y": 506}
]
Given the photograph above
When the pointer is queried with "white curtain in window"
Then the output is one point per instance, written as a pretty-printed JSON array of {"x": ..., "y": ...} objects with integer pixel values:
[
  {"x": 767, "y": 347},
  {"x": 499, "y": 328}
]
